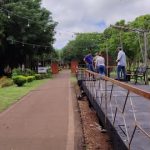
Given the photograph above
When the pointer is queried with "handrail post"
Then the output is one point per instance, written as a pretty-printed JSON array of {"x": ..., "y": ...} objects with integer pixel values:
[{"x": 105, "y": 102}]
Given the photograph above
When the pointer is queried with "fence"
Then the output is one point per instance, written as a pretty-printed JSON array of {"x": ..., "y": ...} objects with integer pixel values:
[{"x": 123, "y": 109}]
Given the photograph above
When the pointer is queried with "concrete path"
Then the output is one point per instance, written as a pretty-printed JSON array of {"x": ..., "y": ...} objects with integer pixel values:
[{"x": 42, "y": 120}]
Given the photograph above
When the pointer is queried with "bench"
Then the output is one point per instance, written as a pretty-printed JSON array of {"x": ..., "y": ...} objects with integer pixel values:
[{"x": 138, "y": 73}]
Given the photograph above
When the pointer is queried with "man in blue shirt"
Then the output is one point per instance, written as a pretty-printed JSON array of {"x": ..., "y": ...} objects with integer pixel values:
[
  {"x": 88, "y": 59},
  {"x": 121, "y": 63}
]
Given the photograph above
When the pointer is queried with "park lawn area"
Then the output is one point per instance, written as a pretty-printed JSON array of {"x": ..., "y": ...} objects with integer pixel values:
[
  {"x": 10, "y": 95},
  {"x": 73, "y": 78}
]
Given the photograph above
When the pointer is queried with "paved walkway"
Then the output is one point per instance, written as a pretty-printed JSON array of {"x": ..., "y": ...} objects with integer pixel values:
[{"x": 42, "y": 120}]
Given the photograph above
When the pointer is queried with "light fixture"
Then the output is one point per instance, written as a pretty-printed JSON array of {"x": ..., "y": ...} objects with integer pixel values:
[
  {"x": 8, "y": 16},
  {"x": 28, "y": 25}
]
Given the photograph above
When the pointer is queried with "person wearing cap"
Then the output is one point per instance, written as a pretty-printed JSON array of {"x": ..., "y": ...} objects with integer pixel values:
[{"x": 121, "y": 64}]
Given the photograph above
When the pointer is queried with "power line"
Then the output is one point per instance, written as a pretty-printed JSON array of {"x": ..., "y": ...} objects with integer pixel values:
[
  {"x": 29, "y": 44},
  {"x": 28, "y": 25},
  {"x": 30, "y": 20},
  {"x": 9, "y": 13}
]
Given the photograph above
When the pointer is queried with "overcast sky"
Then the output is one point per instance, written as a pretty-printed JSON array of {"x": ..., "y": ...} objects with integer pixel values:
[{"x": 91, "y": 15}]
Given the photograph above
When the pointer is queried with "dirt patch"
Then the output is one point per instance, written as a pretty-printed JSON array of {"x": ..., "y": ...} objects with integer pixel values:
[{"x": 94, "y": 138}]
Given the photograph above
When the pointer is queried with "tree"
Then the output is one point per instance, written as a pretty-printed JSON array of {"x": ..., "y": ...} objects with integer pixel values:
[
  {"x": 78, "y": 48},
  {"x": 26, "y": 30},
  {"x": 109, "y": 40}
]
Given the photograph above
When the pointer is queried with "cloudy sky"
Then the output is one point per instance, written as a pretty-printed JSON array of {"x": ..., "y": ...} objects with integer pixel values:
[{"x": 91, "y": 15}]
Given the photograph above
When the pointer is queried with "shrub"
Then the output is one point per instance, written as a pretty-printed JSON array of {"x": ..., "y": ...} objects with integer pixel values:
[
  {"x": 19, "y": 80},
  {"x": 26, "y": 72},
  {"x": 3, "y": 79},
  {"x": 38, "y": 76},
  {"x": 43, "y": 76},
  {"x": 7, "y": 83},
  {"x": 49, "y": 73},
  {"x": 30, "y": 78},
  {"x": 29, "y": 72},
  {"x": 16, "y": 72}
]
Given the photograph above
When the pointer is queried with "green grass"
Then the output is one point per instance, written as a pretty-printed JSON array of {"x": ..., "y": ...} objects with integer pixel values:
[
  {"x": 73, "y": 78},
  {"x": 10, "y": 95}
]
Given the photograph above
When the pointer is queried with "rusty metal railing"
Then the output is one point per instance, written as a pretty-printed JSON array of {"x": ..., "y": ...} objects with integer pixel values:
[{"x": 125, "y": 107}]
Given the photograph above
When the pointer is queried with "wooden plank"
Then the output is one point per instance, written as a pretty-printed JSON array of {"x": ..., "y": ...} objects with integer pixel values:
[{"x": 126, "y": 86}]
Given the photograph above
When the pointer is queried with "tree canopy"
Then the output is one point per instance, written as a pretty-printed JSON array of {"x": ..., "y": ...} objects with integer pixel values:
[
  {"x": 110, "y": 39},
  {"x": 27, "y": 32}
]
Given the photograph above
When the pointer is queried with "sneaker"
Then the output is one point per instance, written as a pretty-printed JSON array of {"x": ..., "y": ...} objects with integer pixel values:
[{"x": 103, "y": 130}]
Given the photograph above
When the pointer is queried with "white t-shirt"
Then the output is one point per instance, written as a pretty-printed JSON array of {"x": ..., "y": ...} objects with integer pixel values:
[
  {"x": 122, "y": 58},
  {"x": 100, "y": 61}
]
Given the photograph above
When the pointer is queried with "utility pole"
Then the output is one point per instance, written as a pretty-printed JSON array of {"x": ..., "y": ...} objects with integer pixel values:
[
  {"x": 145, "y": 48},
  {"x": 107, "y": 58},
  {"x": 145, "y": 55}
]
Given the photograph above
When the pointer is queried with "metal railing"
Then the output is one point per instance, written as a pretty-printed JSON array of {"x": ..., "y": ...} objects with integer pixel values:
[{"x": 125, "y": 108}]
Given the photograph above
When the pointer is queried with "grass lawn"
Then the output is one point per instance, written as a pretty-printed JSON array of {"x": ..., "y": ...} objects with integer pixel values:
[
  {"x": 10, "y": 95},
  {"x": 73, "y": 78}
]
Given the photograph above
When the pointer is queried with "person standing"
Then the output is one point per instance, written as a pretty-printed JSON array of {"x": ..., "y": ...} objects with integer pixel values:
[
  {"x": 88, "y": 59},
  {"x": 121, "y": 64},
  {"x": 100, "y": 64}
]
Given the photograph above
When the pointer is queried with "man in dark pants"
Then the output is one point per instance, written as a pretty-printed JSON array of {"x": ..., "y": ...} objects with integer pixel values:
[
  {"x": 121, "y": 64},
  {"x": 88, "y": 59}
]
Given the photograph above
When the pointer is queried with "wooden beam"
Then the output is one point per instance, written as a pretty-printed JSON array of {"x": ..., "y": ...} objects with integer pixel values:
[
  {"x": 126, "y": 86},
  {"x": 129, "y": 29}
]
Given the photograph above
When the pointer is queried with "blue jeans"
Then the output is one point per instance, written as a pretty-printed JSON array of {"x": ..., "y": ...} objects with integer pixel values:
[
  {"x": 101, "y": 70},
  {"x": 90, "y": 67},
  {"x": 121, "y": 70}
]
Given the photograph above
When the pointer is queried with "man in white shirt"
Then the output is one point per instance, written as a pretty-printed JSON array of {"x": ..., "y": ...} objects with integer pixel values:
[
  {"x": 121, "y": 64},
  {"x": 94, "y": 61},
  {"x": 100, "y": 64}
]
